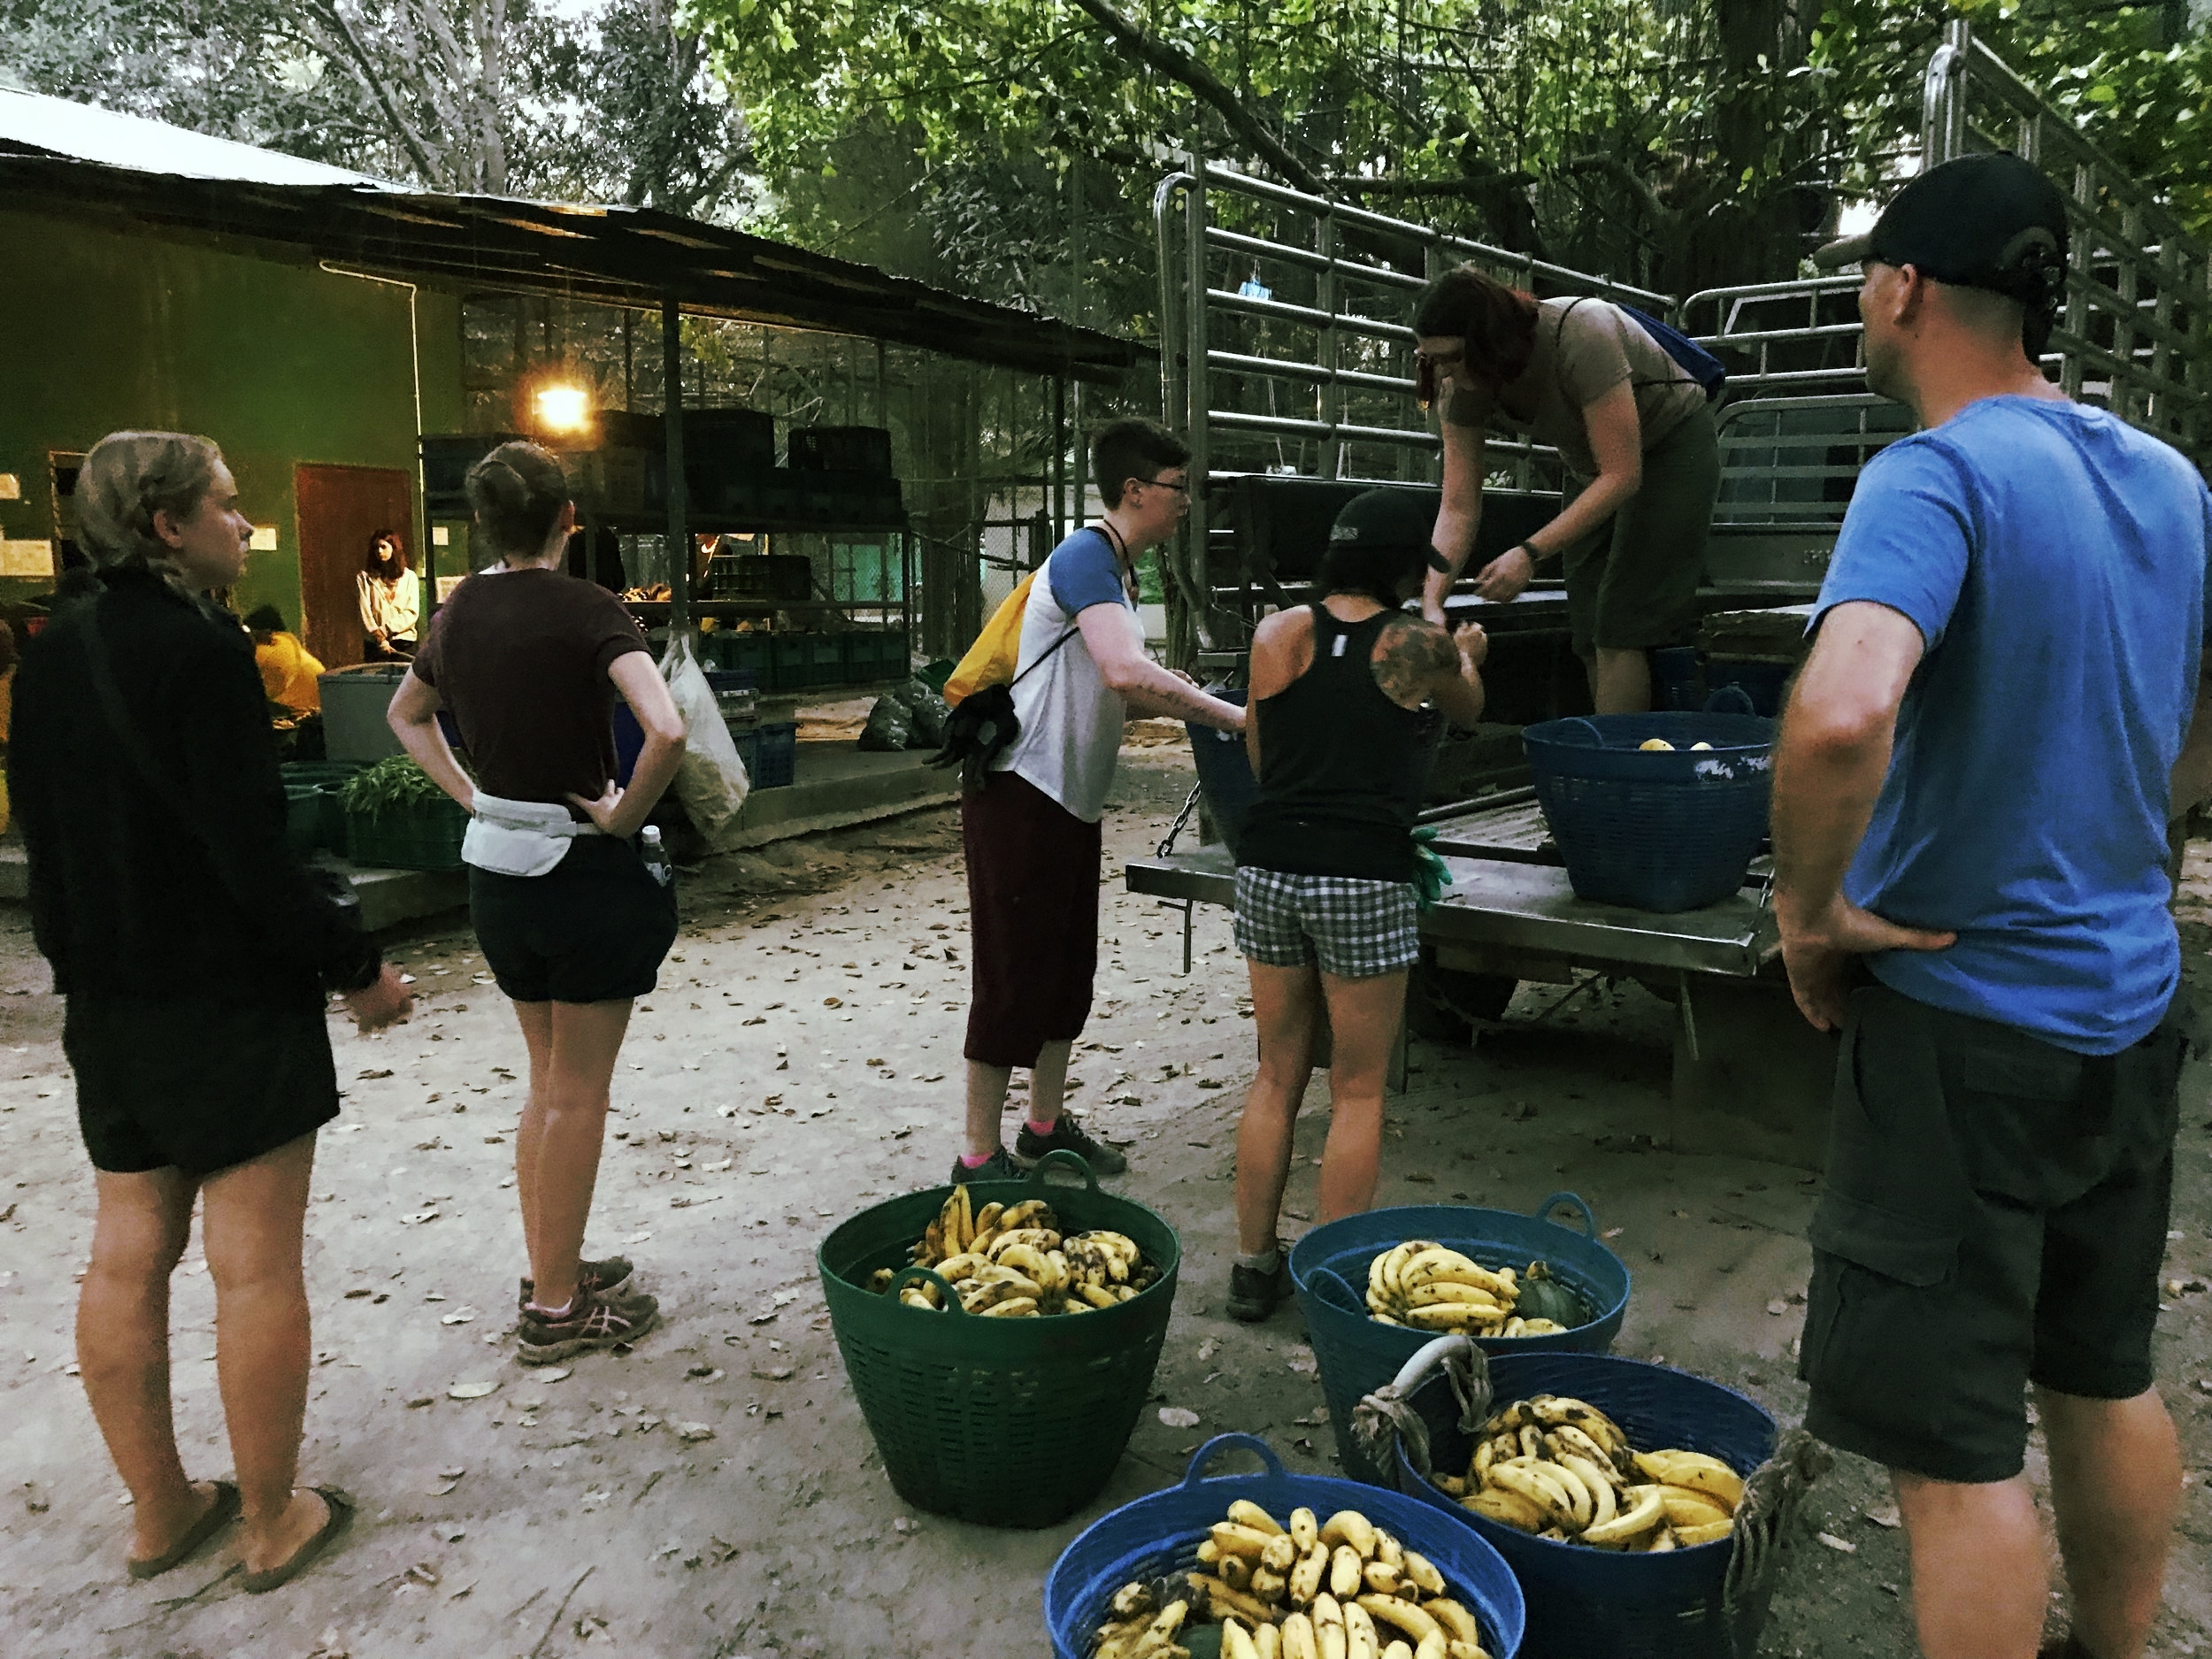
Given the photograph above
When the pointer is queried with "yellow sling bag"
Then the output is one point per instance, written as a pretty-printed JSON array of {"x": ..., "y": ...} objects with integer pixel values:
[{"x": 991, "y": 660}]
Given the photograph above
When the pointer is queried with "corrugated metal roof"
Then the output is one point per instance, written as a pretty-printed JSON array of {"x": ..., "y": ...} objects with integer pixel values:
[
  {"x": 86, "y": 133},
  {"x": 58, "y": 157}
]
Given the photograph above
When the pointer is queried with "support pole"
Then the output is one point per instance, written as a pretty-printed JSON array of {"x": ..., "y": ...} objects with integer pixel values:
[
  {"x": 1059, "y": 457},
  {"x": 672, "y": 422}
]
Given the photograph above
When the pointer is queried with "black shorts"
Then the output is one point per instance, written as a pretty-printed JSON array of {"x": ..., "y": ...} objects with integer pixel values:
[
  {"x": 198, "y": 1083},
  {"x": 594, "y": 928},
  {"x": 1996, "y": 1216}
]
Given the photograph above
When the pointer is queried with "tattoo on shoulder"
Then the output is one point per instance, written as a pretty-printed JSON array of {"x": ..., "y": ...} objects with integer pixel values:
[{"x": 1411, "y": 653}]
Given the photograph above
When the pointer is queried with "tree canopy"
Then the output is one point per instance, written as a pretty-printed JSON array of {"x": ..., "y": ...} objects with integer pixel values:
[{"x": 1677, "y": 142}]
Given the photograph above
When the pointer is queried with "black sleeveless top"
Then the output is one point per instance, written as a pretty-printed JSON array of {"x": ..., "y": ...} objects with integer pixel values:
[{"x": 1342, "y": 767}]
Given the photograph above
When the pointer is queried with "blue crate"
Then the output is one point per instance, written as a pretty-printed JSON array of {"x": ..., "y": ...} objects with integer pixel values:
[{"x": 776, "y": 746}]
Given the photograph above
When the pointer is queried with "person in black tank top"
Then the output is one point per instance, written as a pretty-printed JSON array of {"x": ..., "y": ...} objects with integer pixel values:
[{"x": 1324, "y": 902}]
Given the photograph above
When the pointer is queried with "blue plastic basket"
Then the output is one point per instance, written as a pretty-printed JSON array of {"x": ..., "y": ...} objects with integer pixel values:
[
  {"x": 1224, "y": 772},
  {"x": 1159, "y": 1535},
  {"x": 1653, "y": 831},
  {"x": 1358, "y": 1355},
  {"x": 1585, "y": 1604}
]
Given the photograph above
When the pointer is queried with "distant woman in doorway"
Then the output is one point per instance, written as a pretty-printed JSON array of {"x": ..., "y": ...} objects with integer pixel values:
[
  {"x": 573, "y": 923},
  {"x": 194, "y": 952},
  {"x": 391, "y": 600}
]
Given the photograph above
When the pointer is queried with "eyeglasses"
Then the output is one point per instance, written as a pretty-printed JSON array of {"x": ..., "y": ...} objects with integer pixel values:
[
  {"x": 1439, "y": 359},
  {"x": 1165, "y": 483}
]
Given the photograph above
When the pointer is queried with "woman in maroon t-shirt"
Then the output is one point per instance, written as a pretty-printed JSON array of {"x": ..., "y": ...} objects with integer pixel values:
[{"x": 573, "y": 924}]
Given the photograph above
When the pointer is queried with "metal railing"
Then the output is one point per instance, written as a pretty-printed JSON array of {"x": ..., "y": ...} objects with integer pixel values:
[
  {"x": 1794, "y": 460},
  {"x": 2135, "y": 335},
  {"x": 1289, "y": 346}
]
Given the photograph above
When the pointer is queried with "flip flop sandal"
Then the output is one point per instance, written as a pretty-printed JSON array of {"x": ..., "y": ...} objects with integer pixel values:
[
  {"x": 307, "y": 1553},
  {"x": 219, "y": 1514}
]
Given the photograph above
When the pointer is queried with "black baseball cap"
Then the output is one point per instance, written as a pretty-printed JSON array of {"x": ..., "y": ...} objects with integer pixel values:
[
  {"x": 1986, "y": 221},
  {"x": 1386, "y": 519}
]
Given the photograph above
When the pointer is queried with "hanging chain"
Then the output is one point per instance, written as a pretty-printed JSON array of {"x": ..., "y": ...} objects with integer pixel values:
[{"x": 1167, "y": 847}]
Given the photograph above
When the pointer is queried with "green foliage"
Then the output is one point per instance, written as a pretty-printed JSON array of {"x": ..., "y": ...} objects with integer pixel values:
[
  {"x": 395, "y": 783},
  {"x": 1676, "y": 142}
]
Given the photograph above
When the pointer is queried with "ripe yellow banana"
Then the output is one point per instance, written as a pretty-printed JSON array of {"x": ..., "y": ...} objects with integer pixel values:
[
  {"x": 1571, "y": 1437},
  {"x": 1280, "y": 1556},
  {"x": 1244, "y": 1512},
  {"x": 1236, "y": 1642},
  {"x": 1097, "y": 1296},
  {"x": 1422, "y": 1574},
  {"x": 1350, "y": 1526},
  {"x": 1267, "y": 1585},
  {"x": 1298, "y": 1638},
  {"x": 1507, "y": 1508},
  {"x": 1313, "y": 1567},
  {"x": 1380, "y": 1577},
  {"x": 1344, "y": 1571},
  {"x": 1449, "y": 1290},
  {"x": 1024, "y": 1214},
  {"x": 1453, "y": 1316},
  {"x": 1305, "y": 1528},
  {"x": 1686, "y": 1507},
  {"x": 1415, "y": 1621},
  {"x": 1523, "y": 1481},
  {"x": 1012, "y": 1308},
  {"x": 1712, "y": 1532},
  {"x": 1645, "y": 1512},
  {"x": 1661, "y": 1540},
  {"x": 1233, "y": 1540},
  {"x": 1603, "y": 1506},
  {"x": 1696, "y": 1471},
  {"x": 1458, "y": 1622},
  {"x": 1360, "y": 1638},
  {"x": 1579, "y": 1492},
  {"x": 1225, "y": 1601},
  {"x": 1267, "y": 1642}
]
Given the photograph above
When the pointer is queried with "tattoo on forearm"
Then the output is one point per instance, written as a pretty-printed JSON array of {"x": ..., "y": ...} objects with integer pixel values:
[{"x": 1410, "y": 653}]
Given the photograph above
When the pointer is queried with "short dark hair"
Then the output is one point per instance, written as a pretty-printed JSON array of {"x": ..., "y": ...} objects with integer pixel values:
[
  {"x": 516, "y": 493},
  {"x": 1133, "y": 446},
  {"x": 1497, "y": 322},
  {"x": 1379, "y": 546},
  {"x": 265, "y": 619}
]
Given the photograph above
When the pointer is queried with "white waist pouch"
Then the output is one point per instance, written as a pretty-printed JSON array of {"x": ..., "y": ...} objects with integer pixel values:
[{"x": 520, "y": 838}]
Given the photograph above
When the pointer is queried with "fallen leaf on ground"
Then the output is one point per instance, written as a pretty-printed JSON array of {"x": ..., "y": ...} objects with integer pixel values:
[
  {"x": 1888, "y": 1516},
  {"x": 471, "y": 1390},
  {"x": 1843, "y": 1545},
  {"x": 1178, "y": 1417},
  {"x": 695, "y": 1432}
]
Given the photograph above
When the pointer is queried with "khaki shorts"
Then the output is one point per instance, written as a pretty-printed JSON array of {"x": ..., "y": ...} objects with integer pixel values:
[{"x": 1632, "y": 585}]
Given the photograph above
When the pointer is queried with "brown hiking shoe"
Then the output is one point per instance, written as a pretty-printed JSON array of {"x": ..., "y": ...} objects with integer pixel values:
[
  {"x": 608, "y": 1275},
  {"x": 595, "y": 1320}
]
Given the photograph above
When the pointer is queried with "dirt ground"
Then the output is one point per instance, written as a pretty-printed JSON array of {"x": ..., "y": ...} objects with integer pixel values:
[{"x": 715, "y": 1493}]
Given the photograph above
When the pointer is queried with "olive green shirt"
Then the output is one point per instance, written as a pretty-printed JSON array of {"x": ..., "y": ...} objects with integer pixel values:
[{"x": 1585, "y": 349}]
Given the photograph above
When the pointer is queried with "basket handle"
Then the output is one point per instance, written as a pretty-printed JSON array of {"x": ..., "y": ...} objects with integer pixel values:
[
  {"x": 1578, "y": 732},
  {"x": 1061, "y": 1155},
  {"x": 1425, "y": 1359},
  {"x": 929, "y": 1276},
  {"x": 1221, "y": 1443},
  {"x": 1542, "y": 1211},
  {"x": 1351, "y": 1301},
  {"x": 1731, "y": 700}
]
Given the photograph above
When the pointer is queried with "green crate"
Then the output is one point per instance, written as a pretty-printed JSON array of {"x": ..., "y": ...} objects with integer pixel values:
[
  {"x": 302, "y": 818},
  {"x": 794, "y": 662},
  {"x": 327, "y": 777},
  {"x": 825, "y": 660},
  {"x": 424, "y": 836}
]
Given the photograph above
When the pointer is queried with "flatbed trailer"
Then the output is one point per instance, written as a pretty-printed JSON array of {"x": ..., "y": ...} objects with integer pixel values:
[{"x": 1288, "y": 366}]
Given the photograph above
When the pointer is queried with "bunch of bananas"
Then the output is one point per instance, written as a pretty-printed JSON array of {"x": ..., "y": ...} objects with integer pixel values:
[
  {"x": 1341, "y": 1588},
  {"x": 1560, "y": 1468},
  {"x": 1422, "y": 1285},
  {"x": 1013, "y": 1262}
]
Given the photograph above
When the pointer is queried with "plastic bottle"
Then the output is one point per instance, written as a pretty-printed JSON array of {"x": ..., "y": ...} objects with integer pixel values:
[{"x": 655, "y": 855}]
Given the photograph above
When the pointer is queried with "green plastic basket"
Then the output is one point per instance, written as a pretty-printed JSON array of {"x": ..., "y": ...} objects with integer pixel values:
[
  {"x": 424, "y": 836},
  {"x": 999, "y": 1422}
]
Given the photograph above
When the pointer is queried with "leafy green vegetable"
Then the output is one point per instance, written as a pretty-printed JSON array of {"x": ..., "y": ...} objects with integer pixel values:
[{"x": 393, "y": 784}]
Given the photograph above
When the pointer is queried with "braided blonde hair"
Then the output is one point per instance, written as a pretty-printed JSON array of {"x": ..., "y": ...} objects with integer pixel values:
[{"x": 128, "y": 478}]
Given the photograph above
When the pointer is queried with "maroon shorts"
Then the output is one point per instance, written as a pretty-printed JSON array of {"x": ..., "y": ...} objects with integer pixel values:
[{"x": 1033, "y": 911}]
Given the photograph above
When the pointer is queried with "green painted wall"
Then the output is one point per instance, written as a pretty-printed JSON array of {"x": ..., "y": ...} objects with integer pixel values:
[{"x": 278, "y": 362}]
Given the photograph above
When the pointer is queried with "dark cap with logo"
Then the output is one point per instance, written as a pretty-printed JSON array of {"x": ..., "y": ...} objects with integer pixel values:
[
  {"x": 1986, "y": 221},
  {"x": 1385, "y": 519}
]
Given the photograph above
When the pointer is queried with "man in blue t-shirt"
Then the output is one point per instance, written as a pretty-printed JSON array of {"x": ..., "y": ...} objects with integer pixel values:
[{"x": 2001, "y": 711}]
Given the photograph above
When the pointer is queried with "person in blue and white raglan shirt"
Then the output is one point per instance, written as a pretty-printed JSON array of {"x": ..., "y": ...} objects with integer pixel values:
[
  {"x": 2003, "y": 711},
  {"x": 1032, "y": 833}
]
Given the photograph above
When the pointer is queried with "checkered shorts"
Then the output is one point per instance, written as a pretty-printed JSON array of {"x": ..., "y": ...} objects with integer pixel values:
[{"x": 1357, "y": 928}]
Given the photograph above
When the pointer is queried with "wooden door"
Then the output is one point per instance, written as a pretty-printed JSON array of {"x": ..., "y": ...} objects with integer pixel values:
[{"x": 342, "y": 508}]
